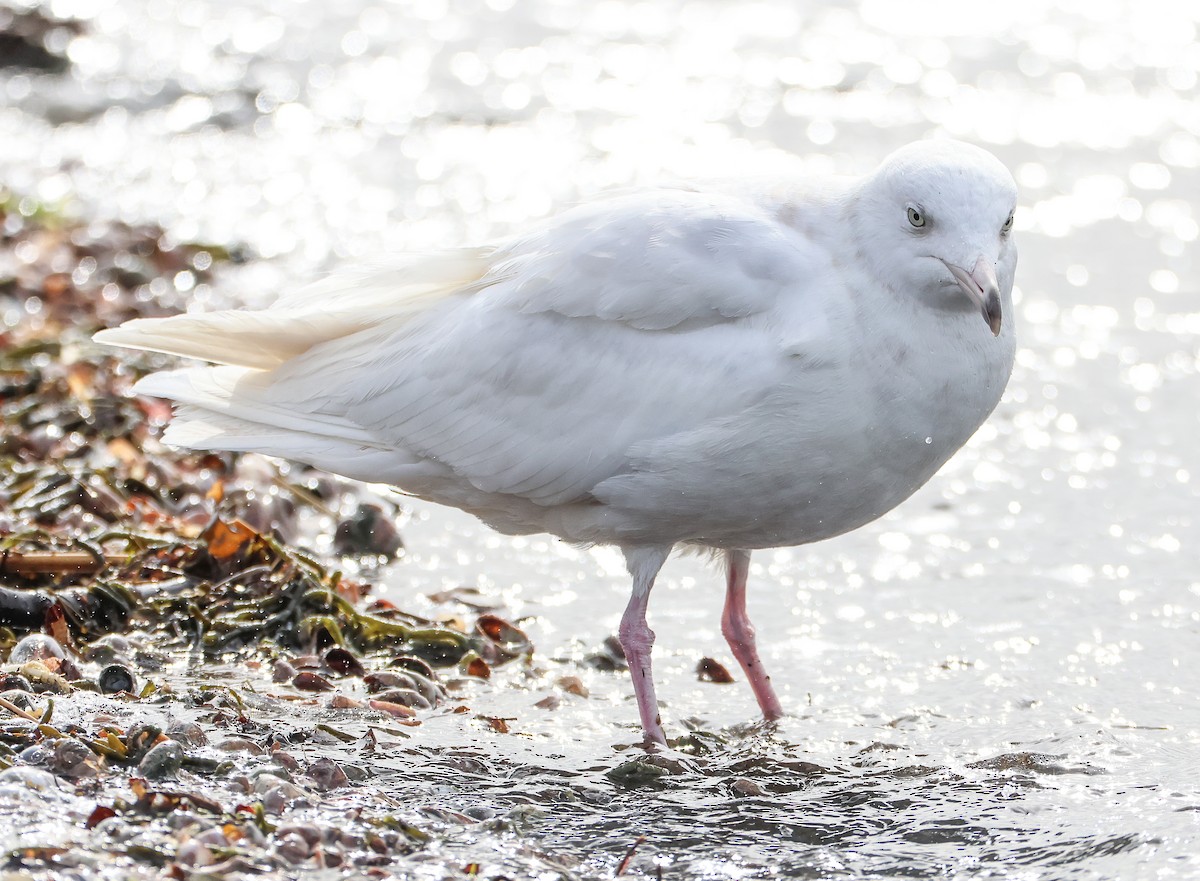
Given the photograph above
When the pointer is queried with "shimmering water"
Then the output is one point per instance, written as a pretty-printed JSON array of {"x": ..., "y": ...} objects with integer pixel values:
[{"x": 999, "y": 679}]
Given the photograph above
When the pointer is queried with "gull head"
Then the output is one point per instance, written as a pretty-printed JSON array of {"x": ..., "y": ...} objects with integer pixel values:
[{"x": 936, "y": 218}]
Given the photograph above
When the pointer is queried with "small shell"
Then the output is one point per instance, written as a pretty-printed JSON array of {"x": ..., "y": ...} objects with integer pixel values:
[{"x": 116, "y": 678}]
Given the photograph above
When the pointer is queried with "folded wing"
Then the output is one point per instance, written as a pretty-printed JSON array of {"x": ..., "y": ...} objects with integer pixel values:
[{"x": 531, "y": 375}]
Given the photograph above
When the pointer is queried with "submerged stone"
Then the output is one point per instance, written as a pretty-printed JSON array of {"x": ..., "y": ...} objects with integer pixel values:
[{"x": 163, "y": 760}]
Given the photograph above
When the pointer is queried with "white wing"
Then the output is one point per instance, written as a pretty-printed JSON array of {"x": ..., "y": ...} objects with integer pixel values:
[
  {"x": 623, "y": 323},
  {"x": 337, "y": 306}
]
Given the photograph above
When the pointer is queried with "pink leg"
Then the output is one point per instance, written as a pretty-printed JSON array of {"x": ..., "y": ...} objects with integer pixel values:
[
  {"x": 739, "y": 633},
  {"x": 637, "y": 639}
]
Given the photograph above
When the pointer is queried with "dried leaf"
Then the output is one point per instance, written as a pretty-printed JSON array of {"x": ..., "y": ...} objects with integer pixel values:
[
  {"x": 497, "y": 724},
  {"x": 711, "y": 670},
  {"x": 56, "y": 625},
  {"x": 572, "y": 685},
  {"x": 98, "y": 815},
  {"x": 226, "y": 540},
  {"x": 479, "y": 668}
]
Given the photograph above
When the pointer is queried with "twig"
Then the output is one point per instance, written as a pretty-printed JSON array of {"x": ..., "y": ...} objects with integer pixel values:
[
  {"x": 17, "y": 711},
  {"x": 629, "y": 855},
  {"x": 32, "y": 563}
]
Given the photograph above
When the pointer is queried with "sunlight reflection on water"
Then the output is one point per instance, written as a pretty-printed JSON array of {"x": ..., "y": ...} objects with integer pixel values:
[{"x": 1039, "y": 597}]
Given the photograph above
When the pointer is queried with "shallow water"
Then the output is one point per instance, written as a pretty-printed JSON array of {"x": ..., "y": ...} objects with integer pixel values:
[{"x": 998, "y": 679}]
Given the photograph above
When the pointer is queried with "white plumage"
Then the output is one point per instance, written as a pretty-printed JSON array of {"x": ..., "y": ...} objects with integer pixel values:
[{"x": 734, "y": 368}]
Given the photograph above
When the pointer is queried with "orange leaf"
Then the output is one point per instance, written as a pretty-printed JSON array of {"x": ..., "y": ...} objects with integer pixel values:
[
  {"x": 56, "y": 624},
  {"x": 98, "y": 815},
  {"x": 479, "y": 668},
  {"x": 225, "y": 540}
]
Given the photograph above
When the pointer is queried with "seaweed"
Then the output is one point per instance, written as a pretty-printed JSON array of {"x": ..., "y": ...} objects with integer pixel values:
[
  {"x": 104, "y": 530},
  {"x": 131, "y": 572}
]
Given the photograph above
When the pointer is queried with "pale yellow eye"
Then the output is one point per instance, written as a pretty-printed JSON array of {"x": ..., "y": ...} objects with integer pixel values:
[{"x": 916, "y": 218}]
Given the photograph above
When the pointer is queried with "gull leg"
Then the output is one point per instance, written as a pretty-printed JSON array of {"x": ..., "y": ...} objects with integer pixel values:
[
  {"x": 739, "y": 633},
  {"x": 637, "y": 639}
]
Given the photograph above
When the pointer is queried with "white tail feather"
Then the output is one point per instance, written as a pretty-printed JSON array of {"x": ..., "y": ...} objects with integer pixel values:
[
  {"x": 200, "y": 429},
  {"x": 329, "y": 309},
  {"x": 239, "y": 393},
  {"x": 244, "y": 339}
]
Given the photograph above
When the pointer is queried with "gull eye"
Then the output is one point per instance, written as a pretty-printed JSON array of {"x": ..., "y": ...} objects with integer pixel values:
[
  {"x": 916, "y": 218},
  {"x": 1008, "y": 223}
]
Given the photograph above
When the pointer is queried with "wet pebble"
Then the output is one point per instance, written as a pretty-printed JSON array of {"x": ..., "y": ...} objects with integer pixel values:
[
  {"x": 321, "y": 485},
  {"x": 412, "y": 679},
  {"x": 309, "y": 681},
  {"x": 72, "y": 758},
  {"x": 368, "y": 532},
  {"x": 248, "y": 833},
  {"x": 115, "y": 828},
  {"x": 265, "y": 780},
  {"x": 36, "y": 647},
  {"x": 383, "y": 680},
  {"x": 189, "y": 733},
  {"x": 285, "y": 760},
  {"x": 292, "y": 848},
  {"x": 406, "y": 697},
  {"x": 502, "y": 640},
  {"x": 180, "y": 821},
  {"x": 342, "y": 661},
  {"x": 327, "y": 774},
  {"x": 38, "y": 754},
  {"x": 283, "y": 795},
  {"x": 240, "y": 745},
  {"x": 194, "y": 854},
  {"x": 414, "y": 665},
  {"x": 234, "y": 867},
  {"x": 109, "y": 649},
  {"x": 282, "y": 671},
  {"x": 636, "y": 774},
  {"x": 609, "y": 658},
  {"x": 746, "y": 787},
  {"x": 69, "y": 670},
  {"x": 269, "y": 512},
  {"x": 27, "y": 777},
  {"x": 213, "y": 836},
  {"x": 309, "y": 834},
  {"x": 150, "y": 660},
  {"x": 162, "y": 761}
]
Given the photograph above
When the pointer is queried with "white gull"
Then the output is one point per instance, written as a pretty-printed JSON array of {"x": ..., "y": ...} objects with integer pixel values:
[{"x": 731, "y": 368}]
